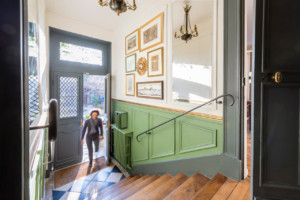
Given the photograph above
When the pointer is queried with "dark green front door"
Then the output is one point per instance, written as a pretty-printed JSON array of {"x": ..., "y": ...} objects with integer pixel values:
[{"x": 276, "y": 147}]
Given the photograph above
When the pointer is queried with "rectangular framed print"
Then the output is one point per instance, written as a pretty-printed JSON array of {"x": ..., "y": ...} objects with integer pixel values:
[
  {"x": 130, "y": 84},
  {"x": 132, "y": 42},
  {"x": 151, "y": 33},
  {"x": 156, "y": 62},
  {"x": 152, "y": 90},
  {"x": 130, "y": 63}
]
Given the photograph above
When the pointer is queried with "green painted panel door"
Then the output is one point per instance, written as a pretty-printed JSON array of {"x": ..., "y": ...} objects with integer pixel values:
[{"x": 140, "y": 124}]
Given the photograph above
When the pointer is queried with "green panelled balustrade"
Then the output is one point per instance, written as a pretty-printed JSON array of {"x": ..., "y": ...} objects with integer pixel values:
[
  {"x": 38, "y": 172},
  {"x": 186, "y": 137}
]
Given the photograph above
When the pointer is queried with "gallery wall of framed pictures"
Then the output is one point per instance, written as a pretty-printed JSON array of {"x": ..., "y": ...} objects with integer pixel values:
[{"x": 144, "y": 60}]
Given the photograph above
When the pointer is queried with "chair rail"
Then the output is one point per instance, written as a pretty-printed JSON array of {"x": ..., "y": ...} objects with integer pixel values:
[{"x": 208, "y": 102}]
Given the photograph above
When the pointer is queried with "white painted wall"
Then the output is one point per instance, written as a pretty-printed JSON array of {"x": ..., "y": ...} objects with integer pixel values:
[{"x": 118, "y": 58}]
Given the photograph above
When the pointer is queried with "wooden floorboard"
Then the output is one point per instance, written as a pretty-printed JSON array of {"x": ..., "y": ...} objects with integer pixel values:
[
  {"x": 225, "y": 190},
  {"x": 240, "y": 190},
  {"x": 151, "y": 187},
  {"x": 189, "y": 188},
  {"x": 137, "y": 187},
  {"x": 167, "y": 188},
  {"x": 210, "y": 189}
]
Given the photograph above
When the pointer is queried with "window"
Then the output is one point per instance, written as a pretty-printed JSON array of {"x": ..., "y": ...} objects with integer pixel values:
[
  {"x": 74, "y": 53},
  {"x": 33, "y": 82}
]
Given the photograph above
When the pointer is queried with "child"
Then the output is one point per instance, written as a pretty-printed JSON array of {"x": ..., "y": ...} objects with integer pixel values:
[{"x": 93, "y": 124}]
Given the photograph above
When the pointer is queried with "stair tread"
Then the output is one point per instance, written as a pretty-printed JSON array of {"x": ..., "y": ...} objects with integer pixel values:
[
  {"x": 189, "y": 188},
  {"x": 167, "y": 188},
  {"x": 151, "y": 187},
  {"x": 137, "y": 187},
  {"x": 247, "y": 195},
  {"x": 123, "y": 188},
  {"x": 125, "y": 181},
  {"x": 211, "y": 187},
  {"x": 225, "y": 190},
  {"x": 240, "y": 190}
]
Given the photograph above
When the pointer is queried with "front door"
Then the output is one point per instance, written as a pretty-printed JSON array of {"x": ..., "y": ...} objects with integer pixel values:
[
  {"x": 74, "y": 60},
  {"x": 276, "y": 166},
  {"x": 67, "y": 89}
]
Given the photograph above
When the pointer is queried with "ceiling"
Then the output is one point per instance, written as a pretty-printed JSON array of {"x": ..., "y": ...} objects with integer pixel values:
[{"x": 90, "y": 12}]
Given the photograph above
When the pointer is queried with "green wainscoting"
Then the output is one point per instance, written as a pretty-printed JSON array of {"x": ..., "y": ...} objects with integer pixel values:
[{"x": 187, "y": 137}]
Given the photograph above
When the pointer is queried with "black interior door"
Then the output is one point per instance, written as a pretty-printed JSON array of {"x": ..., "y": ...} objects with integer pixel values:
[{"x": 276, "y": 147}]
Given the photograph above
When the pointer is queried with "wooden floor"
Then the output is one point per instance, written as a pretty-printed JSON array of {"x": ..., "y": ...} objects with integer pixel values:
[
  {"x": 179, "y": 187},
  {"x": 67, "y": 175}
]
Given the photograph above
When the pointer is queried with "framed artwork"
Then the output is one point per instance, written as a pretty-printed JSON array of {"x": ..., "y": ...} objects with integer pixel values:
[
  {"x": 152, "y": 90},
  {"x": 130, "y": 63},
  {"x": 155, "y": 62},
  {"x": 151, "y": 33},
  {"x": 131, "y": 42},
  {"x": 142, "y": 66},
  {"x": 130, "y": 84}
]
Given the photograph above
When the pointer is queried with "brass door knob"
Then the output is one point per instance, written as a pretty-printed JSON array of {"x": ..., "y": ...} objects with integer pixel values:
[{"x": 277, "y": 77}]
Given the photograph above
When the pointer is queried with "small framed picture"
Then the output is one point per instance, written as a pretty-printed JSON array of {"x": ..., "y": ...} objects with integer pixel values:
[
  {"x": 130, "y": 84},
  {"x": 151, "y": 33},
  {"x": 130, "y": 63},
  {"x": 151, "y": 90},
  {"x": 155, "y": 62},
  {"x": 131, "y": 42}
]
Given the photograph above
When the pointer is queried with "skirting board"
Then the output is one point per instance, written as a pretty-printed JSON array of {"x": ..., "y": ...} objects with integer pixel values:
[{"x": 206, "y": 165}]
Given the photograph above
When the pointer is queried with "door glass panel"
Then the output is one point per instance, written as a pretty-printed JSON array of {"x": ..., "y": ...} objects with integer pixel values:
[
  {"x": 74, "y": 53},
  {"x": 68, "y": 93},
  {"x": 93, "y": 94}
]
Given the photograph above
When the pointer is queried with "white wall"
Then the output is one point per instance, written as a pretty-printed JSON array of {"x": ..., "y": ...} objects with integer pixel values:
[{"x": 118, "y": 59}]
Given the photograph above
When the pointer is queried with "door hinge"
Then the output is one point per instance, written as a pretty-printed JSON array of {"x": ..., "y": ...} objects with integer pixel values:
[{"x": 244, "y": 81}]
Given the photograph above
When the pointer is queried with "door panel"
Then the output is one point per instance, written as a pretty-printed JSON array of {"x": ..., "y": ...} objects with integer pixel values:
[
  {"x": 276, "y": 149},
  {"x": 68, "y": 91}
]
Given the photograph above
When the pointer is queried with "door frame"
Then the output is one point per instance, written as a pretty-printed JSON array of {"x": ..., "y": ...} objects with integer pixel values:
[{"x": 57, "y": 35}]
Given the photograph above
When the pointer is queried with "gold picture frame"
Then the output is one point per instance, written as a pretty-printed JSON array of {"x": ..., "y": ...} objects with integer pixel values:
[
  {"x": 155, "y": 62},
  {"x": 132, "y": 42},
  {"x": 151, "y": 33},
  {"x": 130, "y": 84},
  {"x": 141, "y": 66},
  {"x": 150, "y": 90}
]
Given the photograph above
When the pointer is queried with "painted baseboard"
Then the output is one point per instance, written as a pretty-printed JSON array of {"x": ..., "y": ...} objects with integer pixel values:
[{"x": 206, "y": 165}]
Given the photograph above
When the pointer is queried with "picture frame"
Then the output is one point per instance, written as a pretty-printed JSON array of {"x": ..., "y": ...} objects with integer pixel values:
[
  {"x": 151, "y": 90},
  {"x": 130, "y": 84},
  {"x": 132, "y": 42},
  {"x": 156, "y": 62},
  {"x": 151, "y": 33},
  {"x": 130, "y": 63}
]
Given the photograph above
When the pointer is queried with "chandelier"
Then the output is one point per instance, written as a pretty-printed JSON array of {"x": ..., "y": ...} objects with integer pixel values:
[
  {"x": 186, "y": 32},
  {"x": 119, "y": 6}
]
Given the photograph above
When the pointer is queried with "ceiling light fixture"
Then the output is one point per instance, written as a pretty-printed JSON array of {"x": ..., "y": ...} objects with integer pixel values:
[
  {"x": 119, "y": 6},
  {"x": 186, "y": 32}
]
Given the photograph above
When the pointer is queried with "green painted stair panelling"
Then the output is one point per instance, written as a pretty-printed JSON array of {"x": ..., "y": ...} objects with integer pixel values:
[{"x": 186, "y": 137}]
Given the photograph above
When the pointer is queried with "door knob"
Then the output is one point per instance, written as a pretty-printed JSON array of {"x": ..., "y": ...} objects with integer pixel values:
[{"x": 277, "y": 77}]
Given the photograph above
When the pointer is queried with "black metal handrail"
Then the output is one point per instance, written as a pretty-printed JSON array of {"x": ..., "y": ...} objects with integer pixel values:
[{"x": 208, "y": 102}]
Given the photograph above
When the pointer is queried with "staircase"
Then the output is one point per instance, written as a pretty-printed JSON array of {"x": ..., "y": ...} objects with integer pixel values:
[{"x": 179, "y": 187}]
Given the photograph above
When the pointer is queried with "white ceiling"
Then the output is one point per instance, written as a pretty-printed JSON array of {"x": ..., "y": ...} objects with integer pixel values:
[{"x": 90, "y": 12}]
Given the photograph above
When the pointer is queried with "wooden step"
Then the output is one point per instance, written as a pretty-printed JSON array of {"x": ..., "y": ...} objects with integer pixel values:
[
  {"x": 210, "y": 189},
  {"x": 163, "y": 191},
  {"x": 122, "y": 189},
  {"x": 225, "y": 190},
  {"x": 148, "y": 189},
  {"x": 118, "y": 185},
  {"x": 189, "y": 188},
  {"x": 247, "y": 196},
  {"x": 137, "y": 187},
  {"x": 240, "y": 190}
]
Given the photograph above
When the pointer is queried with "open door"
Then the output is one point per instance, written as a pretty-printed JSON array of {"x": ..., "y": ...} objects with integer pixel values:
[
  {"x": 276, "y": 149},
  {"x": 108, "y": 117}
]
